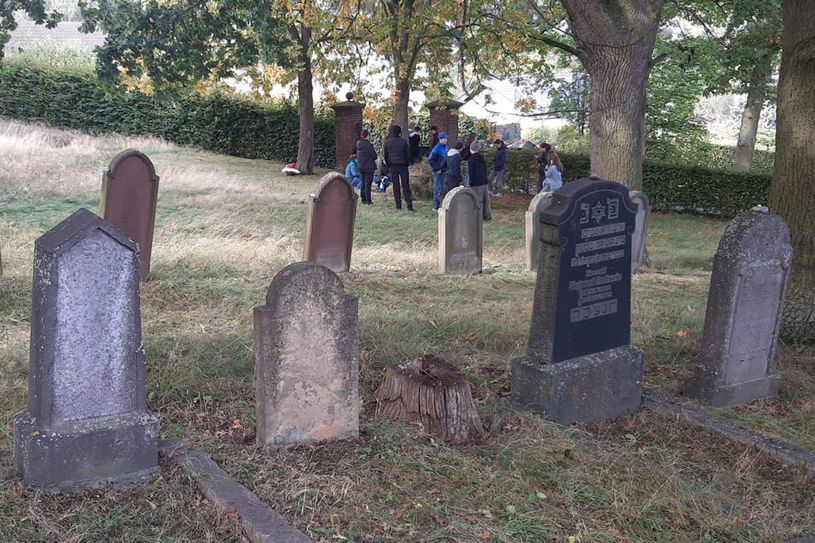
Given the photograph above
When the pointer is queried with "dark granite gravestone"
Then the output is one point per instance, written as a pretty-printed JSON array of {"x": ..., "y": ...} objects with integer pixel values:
[
  {"x": 460, "y": 232},
  {"x": 129, "y": 197},
  {"x": 640, "y": 229},
  {"x": 580, "y": 366},
  {"x": 744, "y": 310},
  {"x": 332, "y": 210},
  {"x": 87, "y": 421},
  {"x": 532, "y": 227},
  {"x": 306, "y": 359}
]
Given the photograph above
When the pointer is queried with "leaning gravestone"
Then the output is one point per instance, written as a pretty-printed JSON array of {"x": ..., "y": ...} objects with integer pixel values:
[
  {"x": 87, "y": 419},
  {"x": 129, "y": 197},
  {"x": 744, "y": 309},
  {"x": 460, "y": 232},
  {"x": 330, "y": 223},
  {"x": 533, "y": 230},
  {"x": 580, "y": 366},
  {"x": 306, "y": 366},
  {"x": 640, "y": 229}
]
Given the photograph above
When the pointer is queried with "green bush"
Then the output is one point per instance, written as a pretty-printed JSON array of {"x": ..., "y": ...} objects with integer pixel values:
[
  {"x": 670, "y": 187},
  {"x": 219, "y": 122}
]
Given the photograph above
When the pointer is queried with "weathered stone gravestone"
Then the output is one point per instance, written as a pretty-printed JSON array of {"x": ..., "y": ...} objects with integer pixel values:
[
  {"x": 332, "y": 210},
  {"x": 533, "y": 230},
  {"x": 129, "y": 197},
  {"x": 87, "y": 421},
  {"x": 744, "y": 308},
  {"x": 306, "y": 365},
  {"x": 580, "y": 366},
  {"x": 460, "y": 232},
  {"x": 638, "y": 255}
]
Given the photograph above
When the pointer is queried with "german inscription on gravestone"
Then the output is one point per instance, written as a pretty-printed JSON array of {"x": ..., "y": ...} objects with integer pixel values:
[
  {"x": 330, "y": 223},
  {"x": 129, "y": 198},
  {"x": 594, "y": 292}
]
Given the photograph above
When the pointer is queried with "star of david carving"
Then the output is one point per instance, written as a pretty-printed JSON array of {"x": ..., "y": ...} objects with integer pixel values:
[{"x": 598, "y": 212}]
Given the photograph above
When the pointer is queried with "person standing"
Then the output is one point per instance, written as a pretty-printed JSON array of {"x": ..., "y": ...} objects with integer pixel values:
[
  {"x": 499, "y": 163},
  {"x": 477, "y": 167},
  {"x": 453, "y": 169},
  {"x": 465, "y": 156},
  {"x": 397, "y": 158},
  {"x": 434, "y": 136},
  {"x": 438, "y": 161},
  {"x": 366, "y": 158},
  {"x": 415, "y": 141}
]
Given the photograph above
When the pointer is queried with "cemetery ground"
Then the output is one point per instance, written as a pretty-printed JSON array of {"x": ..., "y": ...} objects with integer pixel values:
[{"x": 225, "y": 226}]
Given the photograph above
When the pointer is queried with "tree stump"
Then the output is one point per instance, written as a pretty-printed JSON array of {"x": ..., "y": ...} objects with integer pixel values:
[{"x": 434, "y": 394}]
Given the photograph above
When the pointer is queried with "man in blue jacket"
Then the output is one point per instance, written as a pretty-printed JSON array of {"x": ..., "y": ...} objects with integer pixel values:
[
  {"x": 438, "y": 162},
  {"x": 499, "y": 163}
]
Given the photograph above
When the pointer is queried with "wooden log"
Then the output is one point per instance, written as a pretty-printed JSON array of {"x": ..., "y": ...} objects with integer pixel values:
[{"x": 433, "y": 394}]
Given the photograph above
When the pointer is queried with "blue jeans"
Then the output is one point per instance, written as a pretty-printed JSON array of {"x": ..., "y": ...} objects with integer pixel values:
[{"x": 438, "y": 185}]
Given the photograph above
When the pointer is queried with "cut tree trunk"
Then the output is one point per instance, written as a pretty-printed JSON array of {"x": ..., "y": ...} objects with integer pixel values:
[
  {"x": 433, "y": 394},
  {"x": 743, "y": 161},
  {"x": 615, "y": 43},
  {"x": 792, "y": 193}
]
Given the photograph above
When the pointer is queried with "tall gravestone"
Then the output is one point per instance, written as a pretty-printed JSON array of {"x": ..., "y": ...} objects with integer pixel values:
[
  {"x": 129, "y": 197},
  {"x": 580, "y": 366},
  {"x": 638, "y": 255},
  {"x": 744, "y": 310},
  {"x": 533, "y": 230},
  {"x": 306, "y": 359},
  {"x": 332, "y": 210},
  {"x": 460, "y": 232},
  {"x": 87, "y": 419}
]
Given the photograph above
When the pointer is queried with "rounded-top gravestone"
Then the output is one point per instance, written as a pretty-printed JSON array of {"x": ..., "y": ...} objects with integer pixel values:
[
  {"x": 332, "y": 209},
  {"x": 532, "y": 228},
  {"x": 460, "y": 232}
]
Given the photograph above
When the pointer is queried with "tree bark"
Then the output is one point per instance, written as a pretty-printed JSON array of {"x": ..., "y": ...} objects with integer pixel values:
[
  {"x": 792, "y": 195},
  {"x": 743, "y": 161},
  {"x": 615, "y": 42},
  {"x": 401, "y": 105},
  {"x": 432, "y": 394},
  {"x": 305, "y": 97}
]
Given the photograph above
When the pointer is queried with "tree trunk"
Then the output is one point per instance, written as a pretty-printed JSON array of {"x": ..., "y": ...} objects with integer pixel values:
[
  {"x": 401, "y": 105},
  {"x": 792, "y": 195},
  {"x": 305, "y": 100},
  {"x": 432, "y": 394},
  {"x": 616, "y": 41},
  {"x": 746, "y": 145}
]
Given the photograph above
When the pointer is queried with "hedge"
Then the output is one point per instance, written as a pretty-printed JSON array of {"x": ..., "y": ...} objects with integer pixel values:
[
  {"x": 219, "y": 122},
  {"x": 670, "y": 187}
]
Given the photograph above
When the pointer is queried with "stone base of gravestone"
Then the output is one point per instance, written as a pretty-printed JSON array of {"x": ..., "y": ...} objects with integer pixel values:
[
  {"x": 701, "y": 387},
  {"x": 585, "y": 389},
  {"x": 121, "y": 450}
]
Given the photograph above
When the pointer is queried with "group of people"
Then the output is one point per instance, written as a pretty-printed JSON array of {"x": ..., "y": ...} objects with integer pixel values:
[{"x": 446, "y": 164}]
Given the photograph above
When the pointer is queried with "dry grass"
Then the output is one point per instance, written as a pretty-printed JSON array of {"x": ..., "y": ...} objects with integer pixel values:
[{"x": 225, "y": 226}]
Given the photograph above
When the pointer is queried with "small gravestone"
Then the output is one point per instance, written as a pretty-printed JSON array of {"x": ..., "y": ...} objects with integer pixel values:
[
  {"x": 532, "y": 227},
  {"x": 460, "y": 232},
  {"x": 580, "y": 366},
  {"x": 330, "y": 223},
  {"x": 129, "y": 197},
  {"x": 306, "y": 366},
  {"x": 87, "y": 421},
  {"x": 638, "y": 250},
  {"x": 744, "y": 309}
]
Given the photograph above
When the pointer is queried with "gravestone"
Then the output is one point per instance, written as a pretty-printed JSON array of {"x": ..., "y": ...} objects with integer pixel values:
[
  {"x": 129, "y": 197},
  {"x": 532, "y": 227},
  {"x": 332, "y": 210},
  {"x": 460, "y": 232},
  {"x": 580, "y": 366},
  {"x": 638, "y": 255},
  {"x": 306, "y": 365},
  {"x": 87, "y": 421},
  {"x": 744, "y": 310}
]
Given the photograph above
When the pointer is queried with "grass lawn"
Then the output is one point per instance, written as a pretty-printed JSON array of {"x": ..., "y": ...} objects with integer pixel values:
[{"x": 225, "y": 226}]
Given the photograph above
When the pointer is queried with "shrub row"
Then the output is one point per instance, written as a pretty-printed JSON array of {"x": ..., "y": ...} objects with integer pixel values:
[
  {"x": 670, "y": 187},
  {"x": 219, "y": 122}
]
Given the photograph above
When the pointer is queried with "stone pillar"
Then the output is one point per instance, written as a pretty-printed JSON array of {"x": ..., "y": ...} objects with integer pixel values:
[
  {"x": 347, "y": 126},
  {"x": 444, "y": 114},
  {"x": 87, "y": 421}
]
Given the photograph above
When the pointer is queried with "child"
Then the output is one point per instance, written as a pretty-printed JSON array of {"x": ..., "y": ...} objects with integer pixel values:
[
  {"x": 553, "y": 179},
  {"x": 352, "y": 172}
]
